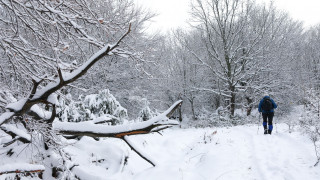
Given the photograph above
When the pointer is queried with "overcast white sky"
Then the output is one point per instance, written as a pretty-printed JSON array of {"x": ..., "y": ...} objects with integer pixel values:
[{"x": 174, "y": 13}]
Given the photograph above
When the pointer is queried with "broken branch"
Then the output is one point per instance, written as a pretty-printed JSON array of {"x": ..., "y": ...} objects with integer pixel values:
[{"x": 95, "y": 130}]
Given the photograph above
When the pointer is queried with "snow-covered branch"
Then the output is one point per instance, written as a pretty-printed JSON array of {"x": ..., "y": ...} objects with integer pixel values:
[
  {"x": 21, "y": 168},
  {"x": 96, "y": 130},
  {"x": 135, "y": 149},
  {"x": 41, "y": 95}
]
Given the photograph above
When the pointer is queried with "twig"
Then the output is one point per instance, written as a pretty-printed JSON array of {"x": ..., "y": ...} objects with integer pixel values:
[{"x": 141, "y": 155}]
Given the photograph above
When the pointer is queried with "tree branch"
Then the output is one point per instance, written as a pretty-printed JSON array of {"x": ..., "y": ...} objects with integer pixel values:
[
  {"x": 22, "y": 171},
  {"x": 125, "y": 139},
  {"x": 21, "y": 168},
  {"x": 35, "y": 86},
  {"x": 95, "y": 130},
  {"x": 39, "y": 96},
  {"x": 16, "y": 134}
]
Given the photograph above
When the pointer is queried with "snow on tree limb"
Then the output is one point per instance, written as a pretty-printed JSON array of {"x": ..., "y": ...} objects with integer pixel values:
[
  {"x": 95, "y": 130},
  {"x": 5, "y": 116},
  {"x": 41, "y": 96},
  {"x": 21, "y": 168},
  {"x": 14, "y": 131},
  {"x": 171, "y": 109},
  {"x": 39, "y": 113}
]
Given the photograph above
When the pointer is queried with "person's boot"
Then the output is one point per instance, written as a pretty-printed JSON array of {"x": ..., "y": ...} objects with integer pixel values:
[
  {"x": 269, "y": 132},
  {"x": 265, "y": 130}
]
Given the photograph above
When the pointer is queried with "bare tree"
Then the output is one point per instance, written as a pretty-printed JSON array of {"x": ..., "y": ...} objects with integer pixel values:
[
  {"x": 38, "y": 37},
  {"x": 237, "y": 36},
  {"x": 184, "y": 73}
]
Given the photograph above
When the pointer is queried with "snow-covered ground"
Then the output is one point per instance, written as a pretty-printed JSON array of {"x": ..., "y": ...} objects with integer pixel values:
[
  {"x": 223, "y": 153},
  {"x": 236, "y": 153}
]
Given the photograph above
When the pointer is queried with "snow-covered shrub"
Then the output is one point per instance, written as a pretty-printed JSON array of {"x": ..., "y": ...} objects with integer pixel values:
[
  {"x": 104, "y": 103},
  {"x": 146, "y": 113},
  {"x": 220, "y": 117},
  {"x": 285, "y": 109},
  {"x": 310, "y": 121},
  {"x": 291, "y": 119},
  {"x": 66, "y": 109},
  {"x": 62, "y": 161},
  {"x": 91, "y": 107}
]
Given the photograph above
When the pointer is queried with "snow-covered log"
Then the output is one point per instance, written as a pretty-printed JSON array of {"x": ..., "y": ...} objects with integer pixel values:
[
  {"x": 21, "y": 168},
  {"x": 88, "y": 128}
]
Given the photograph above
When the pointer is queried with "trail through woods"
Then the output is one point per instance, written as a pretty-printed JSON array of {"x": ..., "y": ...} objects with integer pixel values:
[
  {"x": 225, "y": 153},
  {"x": 235, "y": 153}
]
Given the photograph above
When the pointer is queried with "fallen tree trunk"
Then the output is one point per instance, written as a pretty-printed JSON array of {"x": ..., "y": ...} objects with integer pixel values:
[
  {"x": 91, "y": 129},
  {"x": 88, "y": 128}
]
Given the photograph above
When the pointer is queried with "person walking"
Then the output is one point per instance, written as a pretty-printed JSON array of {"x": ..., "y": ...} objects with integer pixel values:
[{"x": 266, "y": 107}]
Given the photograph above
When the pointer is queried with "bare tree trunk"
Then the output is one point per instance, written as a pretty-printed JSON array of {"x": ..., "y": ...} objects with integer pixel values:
[
  {"x": 232, "y": 101},
  {"x": 192, "y": 108},
  {"x": 249, "y": 108}
]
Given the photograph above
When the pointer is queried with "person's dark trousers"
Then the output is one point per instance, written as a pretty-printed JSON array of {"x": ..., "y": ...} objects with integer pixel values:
[{"x": 267, "y": 120}]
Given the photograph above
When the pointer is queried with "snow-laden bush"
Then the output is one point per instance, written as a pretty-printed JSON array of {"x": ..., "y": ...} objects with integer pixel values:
[
  {"x": 310, "y": 121},
  {"x": 91, "y": 107},
  {"x": 63, "y": 158},
  {"x": 221, "y": 118},
  {"x": 104, "y": 103},
  {"x": 146, "y": 113}
]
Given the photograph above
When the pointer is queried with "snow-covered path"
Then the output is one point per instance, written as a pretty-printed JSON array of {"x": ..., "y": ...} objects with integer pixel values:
[{"x": 234, "y": 153}]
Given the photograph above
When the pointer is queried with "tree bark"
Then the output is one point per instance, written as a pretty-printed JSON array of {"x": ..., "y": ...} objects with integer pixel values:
[
  {"x": 232, "y": 101},
  {"x": 249, "y": 108}
]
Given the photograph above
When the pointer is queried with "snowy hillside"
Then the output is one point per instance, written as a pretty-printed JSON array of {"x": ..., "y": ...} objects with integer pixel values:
[{"x": 224, "y": 153}]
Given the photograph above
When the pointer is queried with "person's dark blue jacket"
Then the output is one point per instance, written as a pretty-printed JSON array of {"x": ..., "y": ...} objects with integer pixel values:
[{"x": 273, "y": 104}]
